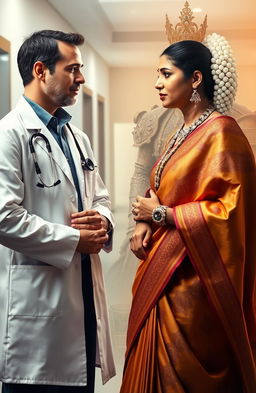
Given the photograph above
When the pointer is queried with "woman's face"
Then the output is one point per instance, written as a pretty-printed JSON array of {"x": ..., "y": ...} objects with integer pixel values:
[{"x": 174, "y": 90}]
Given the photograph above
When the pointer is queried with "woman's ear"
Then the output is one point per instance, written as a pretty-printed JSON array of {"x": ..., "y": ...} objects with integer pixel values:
[
  {"x": 197, "y": 79},
  {"x": 39, "y": 70}
]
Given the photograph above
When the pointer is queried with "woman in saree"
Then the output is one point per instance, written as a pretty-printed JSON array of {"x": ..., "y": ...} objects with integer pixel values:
[{"x": 192, "y": 325}]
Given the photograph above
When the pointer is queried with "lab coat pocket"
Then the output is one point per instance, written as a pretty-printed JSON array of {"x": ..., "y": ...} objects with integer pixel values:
[{"x": 35, "y": 291}]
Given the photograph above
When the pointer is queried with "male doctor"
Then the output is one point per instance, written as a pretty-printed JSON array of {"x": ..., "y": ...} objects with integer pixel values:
[{"x": 54, "y": 219}]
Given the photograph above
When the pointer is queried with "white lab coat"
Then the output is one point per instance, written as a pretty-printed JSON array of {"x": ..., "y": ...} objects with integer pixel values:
[{"x": 41, "y": 306}]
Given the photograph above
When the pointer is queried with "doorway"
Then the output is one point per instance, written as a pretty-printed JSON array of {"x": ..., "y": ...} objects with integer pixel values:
[
  {"x": 101, "y": 135},
  {"x": 87, "y": 113},
  {"x": 5, "y": 85}
]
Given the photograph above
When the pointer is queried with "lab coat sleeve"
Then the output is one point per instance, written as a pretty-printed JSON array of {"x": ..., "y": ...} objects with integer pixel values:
[
  {"x": 100, "y": 200},
  {"x": 101, "y": 203},
  {"x": 27, "y": 233}
]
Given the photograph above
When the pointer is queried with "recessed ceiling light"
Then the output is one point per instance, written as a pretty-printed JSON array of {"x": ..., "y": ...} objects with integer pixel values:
[{"x": 197, "y": 10}]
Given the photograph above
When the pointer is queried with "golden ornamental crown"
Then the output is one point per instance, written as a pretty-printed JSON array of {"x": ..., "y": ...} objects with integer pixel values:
[{"x": 186, "y": 29}]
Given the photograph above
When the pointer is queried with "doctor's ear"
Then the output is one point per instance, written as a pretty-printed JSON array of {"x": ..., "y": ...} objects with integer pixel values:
[{"x": 39, "y": 70}]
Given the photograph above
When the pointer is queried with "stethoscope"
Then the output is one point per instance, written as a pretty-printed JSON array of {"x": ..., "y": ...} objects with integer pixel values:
[{"x": 86, "y": 163}]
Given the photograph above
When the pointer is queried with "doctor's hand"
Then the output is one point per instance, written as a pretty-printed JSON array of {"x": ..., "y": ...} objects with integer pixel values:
[
  {"x": 92, "y": 241},
  {"x": 140, "y": 239},
  {"x": 143, "y": 207},
  {"x": 93, "y": 231},
  {"x": 87, "y": 219}
]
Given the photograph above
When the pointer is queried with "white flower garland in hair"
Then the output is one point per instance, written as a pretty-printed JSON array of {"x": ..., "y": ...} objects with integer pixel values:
[{"x": 223, "y": 71}]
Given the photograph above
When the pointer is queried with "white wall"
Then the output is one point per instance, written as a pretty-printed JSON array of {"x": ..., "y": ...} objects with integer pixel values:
[
  {"x": 124, "y": 155},
  {"x": 4, "y": 84}
]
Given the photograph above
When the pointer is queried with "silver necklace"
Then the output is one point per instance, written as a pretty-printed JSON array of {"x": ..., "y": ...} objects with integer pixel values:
[{"x": 176, "y": 141}]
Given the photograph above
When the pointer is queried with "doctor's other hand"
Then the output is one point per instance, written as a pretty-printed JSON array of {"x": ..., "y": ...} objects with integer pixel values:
[
  {"x": 87, "y": 219},
  {"x": 92, "y": 241},
  {"x": 140, "y": 239},
  {"x": 143, "y": 207}
]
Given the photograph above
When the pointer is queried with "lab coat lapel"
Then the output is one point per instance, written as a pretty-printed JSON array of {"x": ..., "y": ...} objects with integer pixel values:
[{"x": 32, "y": 122}]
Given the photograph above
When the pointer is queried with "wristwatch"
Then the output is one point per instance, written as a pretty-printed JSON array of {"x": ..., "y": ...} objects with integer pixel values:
[{"x": 159, "y": 215}]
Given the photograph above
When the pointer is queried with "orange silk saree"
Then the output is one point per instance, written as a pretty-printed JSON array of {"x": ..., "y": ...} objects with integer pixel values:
[{"x": 192, "y": 326}]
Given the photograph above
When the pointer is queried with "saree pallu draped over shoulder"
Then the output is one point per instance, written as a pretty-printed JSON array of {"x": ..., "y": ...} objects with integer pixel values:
[{"x": 192, "y": 326}]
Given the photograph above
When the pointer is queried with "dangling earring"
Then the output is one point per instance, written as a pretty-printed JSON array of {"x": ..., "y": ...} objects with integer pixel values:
[{"x": 195, "y": 97}]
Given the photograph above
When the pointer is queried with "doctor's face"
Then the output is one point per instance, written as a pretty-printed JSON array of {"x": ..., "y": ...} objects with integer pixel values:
[{"x": 62, "y": 86}]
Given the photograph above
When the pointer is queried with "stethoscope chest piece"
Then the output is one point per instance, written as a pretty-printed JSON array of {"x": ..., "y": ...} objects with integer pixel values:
[{"x": 87, "y": 164}]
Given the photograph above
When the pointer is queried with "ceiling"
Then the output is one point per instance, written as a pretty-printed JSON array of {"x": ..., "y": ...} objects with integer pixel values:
[{"x": 132, "y": 32}]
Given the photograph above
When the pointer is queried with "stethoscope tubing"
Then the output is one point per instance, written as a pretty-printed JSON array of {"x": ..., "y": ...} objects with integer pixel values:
[{"x": 86, "y": 163}]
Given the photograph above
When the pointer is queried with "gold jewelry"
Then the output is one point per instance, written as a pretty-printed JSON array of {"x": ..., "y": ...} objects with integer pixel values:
[
  {"x": 195, "y": 97},
  {"x": 178, "y": 137},
  {"x": 186, "y": 29}
]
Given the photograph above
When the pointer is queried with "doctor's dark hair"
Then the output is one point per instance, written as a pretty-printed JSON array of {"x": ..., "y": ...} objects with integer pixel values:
[
  {"x": 190, "y": 56},
  {"x": 42, "y": 46}
]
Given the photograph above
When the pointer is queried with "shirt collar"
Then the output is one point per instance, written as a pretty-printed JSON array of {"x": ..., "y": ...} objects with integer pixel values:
[{"x": 61, "y": 117}]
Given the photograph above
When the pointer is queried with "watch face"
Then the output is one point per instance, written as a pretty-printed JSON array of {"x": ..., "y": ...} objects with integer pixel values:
[{"x": 157, "y": 215}]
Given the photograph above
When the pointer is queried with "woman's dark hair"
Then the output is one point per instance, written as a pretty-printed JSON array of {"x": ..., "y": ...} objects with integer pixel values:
[
  {"x": 190, "y": 56},
  {"x": 42, "y": 46}
]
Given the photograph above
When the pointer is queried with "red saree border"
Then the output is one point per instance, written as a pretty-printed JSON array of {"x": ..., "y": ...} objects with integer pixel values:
[
  {"x": 157, "y": 275},
  {"x": 208, "y": 263}
]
